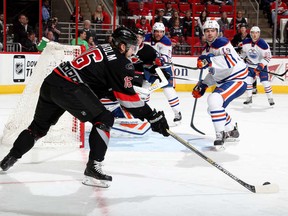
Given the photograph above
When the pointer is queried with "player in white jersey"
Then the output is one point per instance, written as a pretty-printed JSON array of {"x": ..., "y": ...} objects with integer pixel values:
[
  {"x": 228, "y": 72},
  {"x": 256, "y": 53},
  {"x": 162, "y": 44}
]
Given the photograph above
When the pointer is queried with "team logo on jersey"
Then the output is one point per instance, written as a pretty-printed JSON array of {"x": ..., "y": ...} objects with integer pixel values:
[
  {"x": 252, "y": 54},
  {"x": 226, "y": 51},
  {"x": 129, "y": 66},
  {"x": 127, "y": 82}
]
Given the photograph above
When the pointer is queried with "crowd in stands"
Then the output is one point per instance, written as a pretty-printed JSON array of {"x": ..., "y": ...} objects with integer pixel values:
[{"x": 176, "y": 15}]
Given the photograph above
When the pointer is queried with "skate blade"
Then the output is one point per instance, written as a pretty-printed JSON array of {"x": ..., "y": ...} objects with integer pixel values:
[
  {"x": 174, "y": 124},
  {"x": 89, "y": 181},
  {"x": 232, "y": 140},
  {"x": 219, "y": 148}
]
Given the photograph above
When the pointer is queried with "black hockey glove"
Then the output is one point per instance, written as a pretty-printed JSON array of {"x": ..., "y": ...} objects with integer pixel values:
[{"x": 159, "y": 123}]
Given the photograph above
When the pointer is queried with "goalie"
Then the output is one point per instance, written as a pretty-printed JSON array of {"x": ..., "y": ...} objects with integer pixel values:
[{"x": 75, "y": 86}]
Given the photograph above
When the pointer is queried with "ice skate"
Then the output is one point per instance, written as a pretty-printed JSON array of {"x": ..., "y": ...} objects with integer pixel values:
[
  {"x": 219, "y": 142},
  {"x": 8, "y": 162},
  {"x": 271, "y": 101},
  {"x": 232, "y": 136},
  {"x": 94, "y": 175},
  {"x": 248, "y": 101},
  {"x": 178, "y": 117},
  {"x": 254, "y": 91}
]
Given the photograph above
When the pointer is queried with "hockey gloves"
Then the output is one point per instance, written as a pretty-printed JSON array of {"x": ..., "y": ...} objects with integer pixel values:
[
  {"x": 159, "y": 123},
  {"x": 199, "y": 90},
  {"x": 204, "y": 61},
  {"x": 259, "y": 68},
  {"x": 159, "y": 61}
]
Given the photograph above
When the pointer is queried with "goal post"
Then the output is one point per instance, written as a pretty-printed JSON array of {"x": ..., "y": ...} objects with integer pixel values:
[{"x": 68, "y": 131}]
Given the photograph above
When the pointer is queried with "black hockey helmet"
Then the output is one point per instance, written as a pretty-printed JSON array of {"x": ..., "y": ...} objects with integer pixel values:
[
  {"x": 139, "y": 31},
  {"x": 124, "y": 35}
]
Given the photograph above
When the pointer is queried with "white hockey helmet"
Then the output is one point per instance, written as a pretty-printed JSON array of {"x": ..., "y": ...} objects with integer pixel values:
[
  {"x": 212, "y": 23},
  {"x": 158, "y": 26},
  {"x": 255, "y": 29}
]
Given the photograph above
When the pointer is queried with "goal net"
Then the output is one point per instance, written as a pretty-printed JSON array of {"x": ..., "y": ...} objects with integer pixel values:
[{"x": 68, "y": 131}]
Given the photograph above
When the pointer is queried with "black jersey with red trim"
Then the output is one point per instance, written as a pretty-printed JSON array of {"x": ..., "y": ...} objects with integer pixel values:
[{"x": 108, "y": 73}]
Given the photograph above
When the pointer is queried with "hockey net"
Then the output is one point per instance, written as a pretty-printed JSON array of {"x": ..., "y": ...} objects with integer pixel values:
[{"x": 68, "y": 131}]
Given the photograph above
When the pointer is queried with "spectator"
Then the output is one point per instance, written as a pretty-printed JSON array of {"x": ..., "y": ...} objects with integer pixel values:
[
  {"x": 73, "y": 15},
  {"x": 168, "y": 10},
  {"x": 45, "y": 12},
  {"x": 223, "y": 23},
  {"x": 91, "y": 42},
  {"x": 187, "y": 24},
  {"x": 89, "y": 32},
  {"x": 197, "y": 29},
  {"x": 30, "y": 43},
  {"x": 144, "y": 25},
  {"x": 282, "y": 9},
  {"x": 202, "y": 18},
  {"x": 239, "y": 19},
  {"x": 81, "y": 40},
  {"x": 141, "y": 10},
  {"x": 180, "y": 47},
  {"x": 21, "y": 29},
  {"x": 175, "y": 16},
  {"x": 50, "y": 36},
  {"x": 1, "y": 30},
  {"x": 160, "y": 18},
  {"x": 199, "y": 45},
  {"x": 240, "y": 37},
  {"x": 286, "y": 33},
  {"x": 100, "y": 17},
  {"x": 52, "y": 26},
  {"x": 223, "y": 2},
  {"x": 176, "y": 31}
]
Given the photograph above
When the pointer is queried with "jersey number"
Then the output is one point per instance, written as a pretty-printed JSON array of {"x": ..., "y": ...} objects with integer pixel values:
[{"x": 85, "y": 60}]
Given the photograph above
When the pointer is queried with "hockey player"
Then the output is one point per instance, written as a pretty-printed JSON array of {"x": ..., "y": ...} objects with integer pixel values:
[
  {"x": 256, "y": 52},
  {"x": 143, "y": 62},
  {"x": 228, "y": 71},
  {"x": 104, "y": 71},
  {"x": 163, "y": 46}
]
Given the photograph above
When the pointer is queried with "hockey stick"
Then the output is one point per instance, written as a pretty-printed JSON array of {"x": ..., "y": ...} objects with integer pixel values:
[
  {"x": 183, "y": 66},
  {"x": 157, "y": 85},
  {"x": 180, "y": 78},
  {"x": 194, "y": 109},
  {"x": 279, "y": 76},
  {"x": 265, "y": 188}
]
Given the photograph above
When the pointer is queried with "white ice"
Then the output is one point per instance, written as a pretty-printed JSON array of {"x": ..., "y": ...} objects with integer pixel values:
[{"x": 159, "y": 176}]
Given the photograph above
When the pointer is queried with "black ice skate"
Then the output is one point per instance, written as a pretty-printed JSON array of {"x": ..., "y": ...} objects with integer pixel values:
[
  {"x": 248, "y": 101},
  {"x": 271, "y": 101},
  {"x": 178, "y": 117},
  {"x": 94, "y": 175},
  {"x": 219, "y": 142},
  {"x": 232, "y": 135},
  {"x": 7, "y": 162}
]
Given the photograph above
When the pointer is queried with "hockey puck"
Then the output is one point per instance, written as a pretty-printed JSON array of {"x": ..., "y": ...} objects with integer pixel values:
[{"x": 266, "y": 183}]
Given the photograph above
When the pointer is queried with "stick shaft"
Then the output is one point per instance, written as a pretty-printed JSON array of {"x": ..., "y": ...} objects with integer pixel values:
[{"x": 192, "y": 148}]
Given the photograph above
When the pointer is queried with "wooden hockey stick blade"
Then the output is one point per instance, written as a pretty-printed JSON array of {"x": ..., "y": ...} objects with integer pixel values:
[
  {"x": 183, "y": 66},
  {"x": 269, "y": 188}
]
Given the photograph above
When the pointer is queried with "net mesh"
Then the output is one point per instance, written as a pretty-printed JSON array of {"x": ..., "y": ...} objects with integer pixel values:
[{"x": 68, "y": 131}]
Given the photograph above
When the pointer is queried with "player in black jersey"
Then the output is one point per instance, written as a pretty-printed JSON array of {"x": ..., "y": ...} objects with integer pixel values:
[
  {"x": 104, "y": 71},
  {"x": 144, "y": 62}
]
